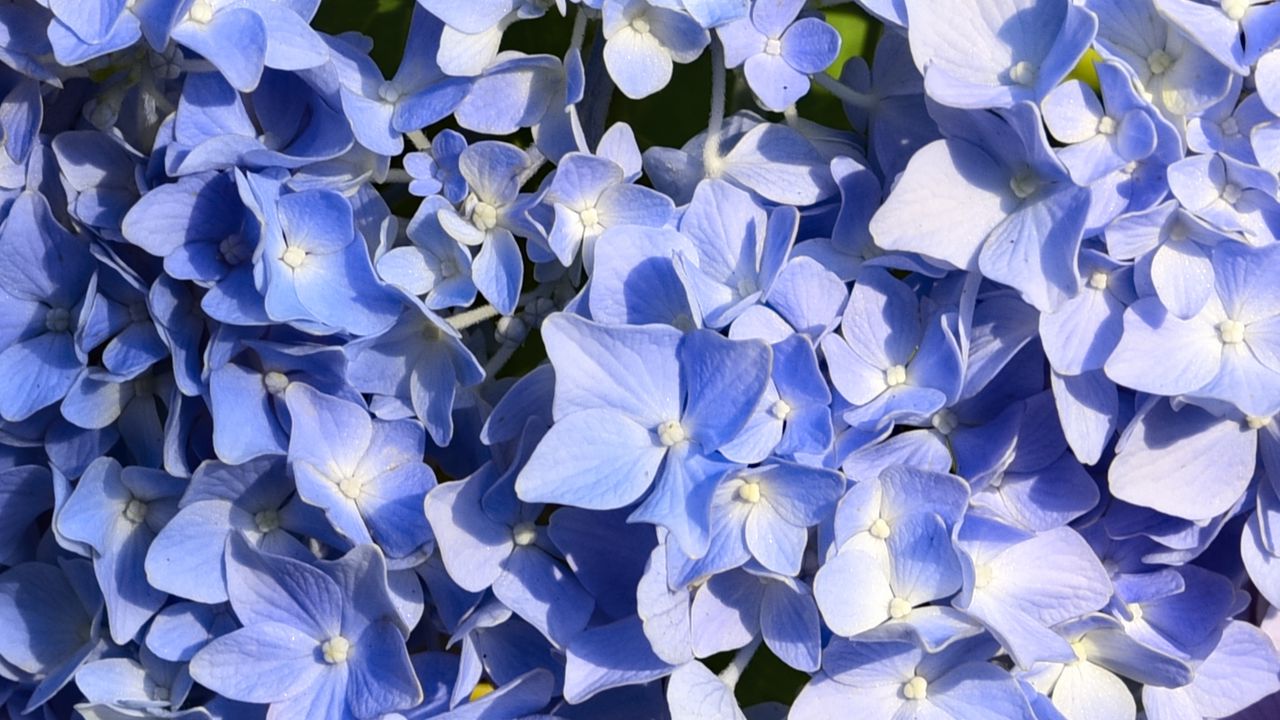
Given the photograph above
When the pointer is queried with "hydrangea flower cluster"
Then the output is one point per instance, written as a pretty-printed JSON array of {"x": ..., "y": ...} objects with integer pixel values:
[{"x": 332, "y": 394}]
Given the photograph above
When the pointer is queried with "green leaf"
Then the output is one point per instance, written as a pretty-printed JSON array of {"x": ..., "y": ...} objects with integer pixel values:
[
  {"x": 768, "y": 679},
  {"x": 1085, "y": 70},
  {"x": 859, "y": 33}
]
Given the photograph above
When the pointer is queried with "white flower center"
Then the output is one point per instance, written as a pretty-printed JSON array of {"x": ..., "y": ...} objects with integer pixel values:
[
  {"x": 57, "y": 319},
  {"x": 1107, "y": 125},
  {"x": 336, "y": 649},
  {"x": 945, "y": 421},
  {"x": 917, "y": 688},
  {"x": 524, "y": 534},
  {"x": 1230, "y": 127},
  {"x": 671, "y": 433},
  {"x": 1159, "y": 62},
  {"x": 747, "y": 285},
  {"x": 484, "y": 216},
  {"x": 879, "y": 529},
  {"x": 267, "y": 520},
  {"x": 640, "y": 24},
  {"x": 389, "y": 91},
  {"x": 294, "y": 257},
  {"x": 1135, "y": 610},
  {"x": 135, "y": 511},
  {"x": 780, "y": 410},
  {"x": 773, "y": 46},
  {"x": 749, "y": 492},
  {"x": 1099, "y": 279},
  {"x": 1231, "y": 332},
  {"x": 981, "y": 576},
  {"x": 275, "y": 382},
  {"x": 447, "y": 268},
  {"x": 1024, "y": 73},
  {"x": 1077, "y": 647},
  {"x": 233, "y": 250},
  {"x": 201, "y": 11},
  {"x": 895, "y": 375},
  {"x": 1257, "y": 422},
  {"x": 1231, "y": 193},
  {"x": 590, "y": 218},
  {"x": 899, "y": 608},
  {"x": 1024, "y": 184},
  {"x": 351, "y": 487},
  {"x": 1235, "y": 9}
]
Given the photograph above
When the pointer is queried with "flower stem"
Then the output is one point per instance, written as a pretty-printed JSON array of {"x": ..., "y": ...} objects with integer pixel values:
[
  {"x": 579, "y": 29},
  {"x": 419, "y": 140},
  {"x": 500, "y": 359},
  {"x": 715, "y": 124},
  {"x": 474, "y": 316},
  {"x": 845, "y": 93},
  {"x": 396, "y": 175},
  {"x": 731, "y": 674}
]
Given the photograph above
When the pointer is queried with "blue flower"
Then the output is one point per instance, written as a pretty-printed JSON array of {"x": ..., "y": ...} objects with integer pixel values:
[
  {"x": 116, "y": 512},
  {"x": 739, "y": 250},
  {"x": 891, "y": 363},
  {"x": 53, "y": 618},
  {"x": 46, "y": 273},
  {"x": 315, "y": 267},
  {"x": 1013, "y": 53},
  {"x": 488, "y": 540},
  {"x": 763, "y": 514},
  {"x": 366, "y": 474},
  {"x": 124, "y": 684},
  {"x": 1224, "y": 352},
  {"x": 26, "y": 492},
  {"x": 214, "y": 128},
  {"x": 433, "y": 266},
  {"x": 435, "y": 170},
  {"x": 1006, "y": 207},
  {"x": 890, "y": 679},
  {"x": 1180, "y": 78},
  {"x": 1103, "y": 136},
  {"x": 1239, "y": 672},
  {"x": 320, "y": 640},
  {"x": 222, "y": 500},
  {"x": 589, "y": 195},
  {"x": 732, "y": 609},
  {"x": 1005, "y": 586},
  {"x": 779, "y": 51},
  {"x": 639, "y": 405},
  {"x": 489, "y": 216},
  {"x": 854, "y": 592},
  {"x": 422, "y": 362},
  {"x": 644, "y": 41},
  {"x": 1234, "y": 32}
]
